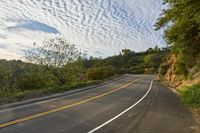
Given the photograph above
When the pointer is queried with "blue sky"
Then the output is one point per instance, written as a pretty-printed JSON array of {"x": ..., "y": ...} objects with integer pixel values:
[{"x": 101, "y": 27}]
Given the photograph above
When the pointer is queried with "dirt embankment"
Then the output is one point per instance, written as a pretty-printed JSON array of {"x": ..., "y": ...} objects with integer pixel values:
[{"x": 174, "y": 80}]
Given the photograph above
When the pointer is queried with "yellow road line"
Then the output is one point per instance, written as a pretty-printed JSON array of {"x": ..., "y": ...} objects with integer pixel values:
[{"x": 63, "y": 107}]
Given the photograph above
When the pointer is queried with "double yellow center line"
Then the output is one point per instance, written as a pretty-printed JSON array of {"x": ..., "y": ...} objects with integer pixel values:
[{"x": 13, "y": 122}]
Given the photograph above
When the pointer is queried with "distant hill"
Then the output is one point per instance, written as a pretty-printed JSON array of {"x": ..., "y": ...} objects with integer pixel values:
[{"x": 131, "y": 62}]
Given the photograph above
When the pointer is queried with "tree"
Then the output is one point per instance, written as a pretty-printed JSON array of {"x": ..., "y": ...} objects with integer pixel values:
[
  {"x": 127, "y": 52},
  {"x": 148, "y": 60},
  {"x": 182, "y": 23},
  {"x": 54, "y": 55},
  {"x": 73, "y": 71},
  {"x": 88, "y": 63}
]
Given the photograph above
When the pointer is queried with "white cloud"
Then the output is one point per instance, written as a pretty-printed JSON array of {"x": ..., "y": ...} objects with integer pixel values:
[{"x": 102, "y": 27}]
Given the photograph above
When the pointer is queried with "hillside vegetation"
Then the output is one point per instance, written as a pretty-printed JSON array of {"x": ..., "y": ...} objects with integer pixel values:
[
  {"x": 131, "y": 62},
  {"x": 181, "y": 21},
  {"x": 58, "y": 66}
]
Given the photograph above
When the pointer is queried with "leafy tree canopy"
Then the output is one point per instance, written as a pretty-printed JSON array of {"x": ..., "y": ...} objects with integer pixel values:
[
  {"x": 58, "y": 56},
  {"x": 181, "y": 21}
]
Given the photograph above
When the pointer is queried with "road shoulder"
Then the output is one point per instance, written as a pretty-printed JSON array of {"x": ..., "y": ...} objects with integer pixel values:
[{"x": 195, "y": 112}]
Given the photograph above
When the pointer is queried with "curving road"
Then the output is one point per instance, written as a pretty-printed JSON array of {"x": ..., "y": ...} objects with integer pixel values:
[{"x": 134, "y": 104}]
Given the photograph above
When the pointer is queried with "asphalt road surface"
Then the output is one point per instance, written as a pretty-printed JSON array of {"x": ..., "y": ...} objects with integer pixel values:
[{"x": 134, "y": 104}]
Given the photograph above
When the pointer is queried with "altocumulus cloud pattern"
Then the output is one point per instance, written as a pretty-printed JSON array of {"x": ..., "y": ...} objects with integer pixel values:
[{"x": 101, "y": 27}]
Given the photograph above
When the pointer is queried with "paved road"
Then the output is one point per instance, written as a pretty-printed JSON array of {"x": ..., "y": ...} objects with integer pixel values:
[{"x": 135, "y": 104}]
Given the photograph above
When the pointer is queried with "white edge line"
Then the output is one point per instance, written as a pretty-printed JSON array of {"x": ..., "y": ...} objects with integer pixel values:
[
  {"x": 112, "y": 119},
  {"x": 53, "y": 99}
]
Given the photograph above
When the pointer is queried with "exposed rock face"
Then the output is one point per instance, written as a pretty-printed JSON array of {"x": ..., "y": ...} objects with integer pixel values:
[
  {"x": 170, "y": 61},
  {"x": 195, "y": 79},
  {"x": 175, "y": 80}
]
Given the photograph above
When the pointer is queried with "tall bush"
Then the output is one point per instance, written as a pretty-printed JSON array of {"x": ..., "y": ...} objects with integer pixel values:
[{"x": 99, "y": 73}]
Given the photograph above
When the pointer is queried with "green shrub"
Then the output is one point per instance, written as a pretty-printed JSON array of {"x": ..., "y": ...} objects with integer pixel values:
[
  {"x": 181, "y": 67},
  {"x": 6, "y": 93},
  {"x": 136, "y": 71},
  {"x": 151, "y": 70},
  {"x": 123, "y": 71},
  {"x": 162, "y": 70},
  {"x": 100, "y": 73},
  {"x": 20, "y": 95},
  {"x": 190, "y": 76},
  {"x": 30, "y": 83},
  {"x": 191, "y": 95},
  {"x": 54, "y": 89},
  {"x": 36, "y": 81}
]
